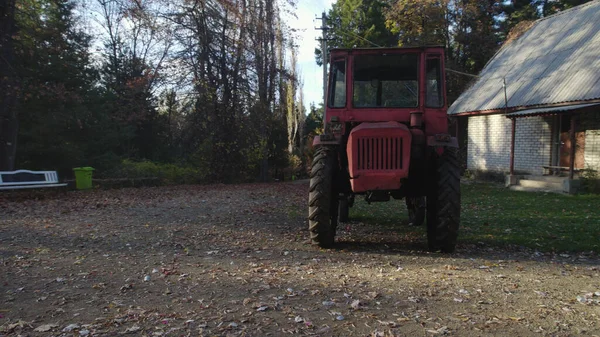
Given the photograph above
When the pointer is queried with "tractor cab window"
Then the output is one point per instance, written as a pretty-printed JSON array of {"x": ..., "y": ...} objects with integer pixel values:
[
  {"x": 434, "y": 84},
  {"x": 337, "y": 85},
  {"x": 388, "y": 80}
]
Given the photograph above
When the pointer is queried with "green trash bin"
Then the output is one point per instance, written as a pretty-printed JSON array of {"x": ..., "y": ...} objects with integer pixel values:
[{"x": 83, "y": 177}]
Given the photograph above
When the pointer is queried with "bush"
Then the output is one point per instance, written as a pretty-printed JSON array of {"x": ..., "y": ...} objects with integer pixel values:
[
  {"x": 590, "y": 182},
  {"x": 485, "y": 175},
  {"x": 168, "y": 174}
]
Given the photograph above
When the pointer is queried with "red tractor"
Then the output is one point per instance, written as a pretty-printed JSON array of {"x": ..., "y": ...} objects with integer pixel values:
[{"x": 386, "y": 135}]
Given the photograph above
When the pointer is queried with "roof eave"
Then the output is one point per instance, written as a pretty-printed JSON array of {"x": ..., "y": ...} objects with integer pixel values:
[{"x": 519, "y": 108}]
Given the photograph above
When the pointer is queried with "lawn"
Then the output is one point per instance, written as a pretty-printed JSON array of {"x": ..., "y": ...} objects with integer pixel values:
[{"x": 495, "y": 216}]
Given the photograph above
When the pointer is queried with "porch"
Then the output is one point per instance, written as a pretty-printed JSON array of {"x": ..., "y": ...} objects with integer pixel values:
[
  {"x": 545, "y": 183},
  {"x": 567, "y": 145}
]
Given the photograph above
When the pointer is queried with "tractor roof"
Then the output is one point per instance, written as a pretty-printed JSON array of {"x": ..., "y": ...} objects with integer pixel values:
[{"x": 384, "y": 50}]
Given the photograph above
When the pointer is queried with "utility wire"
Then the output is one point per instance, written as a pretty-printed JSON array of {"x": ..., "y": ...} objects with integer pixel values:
[
  {"x": 362, "y": 38},
  {"x": 461, "y": 73}
]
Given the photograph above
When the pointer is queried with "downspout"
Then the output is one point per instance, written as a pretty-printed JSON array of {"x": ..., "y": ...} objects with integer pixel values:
[
  {"x": 512, "y": 146},
  {"x": 512, "y": 130}
]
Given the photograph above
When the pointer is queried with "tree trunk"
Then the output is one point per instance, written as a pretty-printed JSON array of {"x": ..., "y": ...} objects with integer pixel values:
[{"x": 9, "y": 87}]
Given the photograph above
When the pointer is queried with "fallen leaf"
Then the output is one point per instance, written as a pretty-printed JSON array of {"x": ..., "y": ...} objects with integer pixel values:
[
  {"x": 45, "y": 327},
  {"x": 133, "y": 329},
  {"x": 441, "y": 331},
  {"x": 70, "y": 327},
  {"x": 262, "y": 308},
  {"x": 373, "y": 295}
]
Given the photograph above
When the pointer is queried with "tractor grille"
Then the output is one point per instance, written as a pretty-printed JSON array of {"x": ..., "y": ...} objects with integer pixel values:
[{"x": 379, "y": 153}]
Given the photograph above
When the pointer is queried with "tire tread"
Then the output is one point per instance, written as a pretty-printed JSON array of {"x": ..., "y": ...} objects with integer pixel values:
[
  {"x": 443, "y": 212},
  {"x": 320, "y": 222}
]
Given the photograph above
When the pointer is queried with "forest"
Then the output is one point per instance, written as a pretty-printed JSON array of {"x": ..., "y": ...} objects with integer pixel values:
[{"x": 203, "y": 90}]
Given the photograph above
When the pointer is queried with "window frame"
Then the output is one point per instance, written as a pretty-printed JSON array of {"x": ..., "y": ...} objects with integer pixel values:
[
  {"x": 440, "y": 82},
  {"x": 418, "y": 86},
  {"x": 332, "y": 86}
]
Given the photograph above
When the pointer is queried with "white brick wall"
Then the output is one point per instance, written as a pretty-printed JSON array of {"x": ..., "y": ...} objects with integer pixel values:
[
  {"x": 489, "y": 143},
  {"x": 533, "y": 144},
  {"x": 591, "y": 153}
]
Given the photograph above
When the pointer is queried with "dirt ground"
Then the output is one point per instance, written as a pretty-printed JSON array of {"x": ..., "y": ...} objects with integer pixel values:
[{"x": 234, "y": 260}]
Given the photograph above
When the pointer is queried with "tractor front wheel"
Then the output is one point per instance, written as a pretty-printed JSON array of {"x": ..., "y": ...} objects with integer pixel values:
[
  {"x": 443, "y": 201},
  {"x": 322, "y": 199}
]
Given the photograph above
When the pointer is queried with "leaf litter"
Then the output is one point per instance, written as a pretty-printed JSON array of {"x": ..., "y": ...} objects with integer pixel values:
[{"x": 233, "y": 260}]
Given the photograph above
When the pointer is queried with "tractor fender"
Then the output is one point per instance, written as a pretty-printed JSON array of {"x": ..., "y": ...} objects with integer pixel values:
[
  {"x": 327, "y": 140},
  {"x": 435, "y": 141}
]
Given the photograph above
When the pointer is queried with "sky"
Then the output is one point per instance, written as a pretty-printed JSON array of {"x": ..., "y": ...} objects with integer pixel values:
[{"x": 312, "y": 75}]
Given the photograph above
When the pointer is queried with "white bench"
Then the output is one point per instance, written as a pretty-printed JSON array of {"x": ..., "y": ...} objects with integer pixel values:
[{"x": 20, "y": 179}]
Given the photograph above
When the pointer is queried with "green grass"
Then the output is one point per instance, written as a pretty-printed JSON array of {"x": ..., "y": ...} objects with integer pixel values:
[{"x": 496, "y": 216}]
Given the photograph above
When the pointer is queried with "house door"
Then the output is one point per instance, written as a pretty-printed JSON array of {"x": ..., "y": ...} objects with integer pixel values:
[{"x": 565, "y": 144}]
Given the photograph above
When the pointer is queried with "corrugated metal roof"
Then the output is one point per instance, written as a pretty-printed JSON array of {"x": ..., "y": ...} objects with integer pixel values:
[
  {"x": 549, "y": 111},
  {"x": 557, "y": 60}
]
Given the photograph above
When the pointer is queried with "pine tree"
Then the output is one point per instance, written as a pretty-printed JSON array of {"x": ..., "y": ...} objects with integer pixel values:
[
  {"x": 57, "y": 84},
  {"x": 356, "y": 24},
  {"x": 9, "y": 87}
]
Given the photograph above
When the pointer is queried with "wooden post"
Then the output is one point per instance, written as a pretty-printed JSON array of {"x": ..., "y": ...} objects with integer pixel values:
[
  {"x": 512, "y": 146},
  {"x": 324, "y": 56},
  {"x": 573, "y": 146}
]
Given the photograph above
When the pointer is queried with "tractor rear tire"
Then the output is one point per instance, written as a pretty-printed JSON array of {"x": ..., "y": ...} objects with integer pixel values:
[
  {"x": 322, "y": 199},
  {"x": 344, "y": 210},
  {"x": 443, "y": 201}
]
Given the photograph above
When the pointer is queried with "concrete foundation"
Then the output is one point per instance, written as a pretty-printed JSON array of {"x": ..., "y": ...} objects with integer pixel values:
[
  {"x": 511, "y": 180},
  {"x": 571, "y": 186}
]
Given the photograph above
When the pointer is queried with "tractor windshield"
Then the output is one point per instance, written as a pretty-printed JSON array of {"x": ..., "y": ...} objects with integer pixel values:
[{"x": 388, "y": 80}]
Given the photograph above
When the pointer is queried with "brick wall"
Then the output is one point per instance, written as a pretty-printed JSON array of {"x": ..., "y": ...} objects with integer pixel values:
[
  {"x": 533, "y": 144},
  {"x": 489, "y": 143},
  {"x": 591, "y": 154}
]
